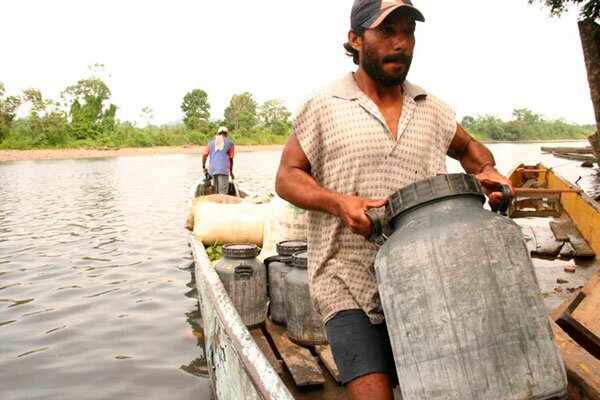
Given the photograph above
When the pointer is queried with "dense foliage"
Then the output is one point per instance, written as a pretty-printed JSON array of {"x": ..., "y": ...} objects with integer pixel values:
[
  {"x": 87, "y": 118},
  {"x": 8, "y": 107},
  {"x": 590, "y": 8},
  {"x": 525, "y": 125}
]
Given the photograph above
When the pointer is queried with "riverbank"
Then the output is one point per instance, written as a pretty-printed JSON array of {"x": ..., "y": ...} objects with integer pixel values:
[{"x": 54, "y": 154}]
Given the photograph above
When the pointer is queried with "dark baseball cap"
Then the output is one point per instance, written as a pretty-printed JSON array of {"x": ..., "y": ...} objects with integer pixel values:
[{"x": 370, "y": 13}]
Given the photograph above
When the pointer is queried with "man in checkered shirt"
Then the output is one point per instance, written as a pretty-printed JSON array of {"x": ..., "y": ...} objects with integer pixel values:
[{"x": 353, "y": 144}]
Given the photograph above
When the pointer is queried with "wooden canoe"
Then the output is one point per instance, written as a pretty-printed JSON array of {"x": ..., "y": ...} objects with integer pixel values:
[
  {"x": 576, "y": 322},
  {"x": 572, "y": 153},
  {"x": 264, "y": 364},
  {"x": 261, "y": 363}
]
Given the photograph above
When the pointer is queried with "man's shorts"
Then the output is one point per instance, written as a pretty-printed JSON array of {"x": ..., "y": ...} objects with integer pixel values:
[
  {"x": 221, "y": 183},
  {"x": 359, "y": 347}
]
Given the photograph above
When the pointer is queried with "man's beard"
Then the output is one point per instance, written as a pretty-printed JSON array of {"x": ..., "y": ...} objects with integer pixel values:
[{"x": 373, "y": 66}]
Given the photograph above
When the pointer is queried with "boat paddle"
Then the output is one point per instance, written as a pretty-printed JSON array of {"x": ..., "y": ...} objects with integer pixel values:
[{"x": 237, "y": 192}]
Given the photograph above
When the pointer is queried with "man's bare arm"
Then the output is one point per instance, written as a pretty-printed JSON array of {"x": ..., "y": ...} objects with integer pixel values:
[
  {"x": 475, "y": 158},
  {"x": 295, "y": 184},
  {"x": 204, "y": 157}
]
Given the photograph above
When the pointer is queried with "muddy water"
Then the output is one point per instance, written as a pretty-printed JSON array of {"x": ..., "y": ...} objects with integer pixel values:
[{"x": 96, "y": 292}]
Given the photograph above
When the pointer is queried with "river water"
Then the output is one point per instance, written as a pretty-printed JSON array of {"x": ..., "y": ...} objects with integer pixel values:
[{"x": 96, "y": 293}]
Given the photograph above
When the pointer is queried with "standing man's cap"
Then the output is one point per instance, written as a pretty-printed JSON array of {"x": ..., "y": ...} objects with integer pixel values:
[
  {"x": 370, "y": 13},
  {"x": 222, "y": 129}
]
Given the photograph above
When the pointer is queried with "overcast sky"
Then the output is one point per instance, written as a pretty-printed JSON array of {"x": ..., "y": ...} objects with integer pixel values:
[{"x": 479, "y": 56}]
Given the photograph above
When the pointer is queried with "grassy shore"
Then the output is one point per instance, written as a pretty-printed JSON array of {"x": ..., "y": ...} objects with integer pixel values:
[{"x": 22, "y": 155}]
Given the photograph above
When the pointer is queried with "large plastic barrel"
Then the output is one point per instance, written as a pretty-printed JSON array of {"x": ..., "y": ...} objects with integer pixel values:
[
  {"x": 304, "y": 324},
  {"x": 278, "y": 268},
  {"x": 462, "y": 303},
  {"x": 245, "y": 279}
]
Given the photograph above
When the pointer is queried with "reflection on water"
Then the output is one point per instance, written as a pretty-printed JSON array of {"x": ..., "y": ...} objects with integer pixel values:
[
  {"x": 198, "y": 366},
  {"x": 97, "y": 295}
]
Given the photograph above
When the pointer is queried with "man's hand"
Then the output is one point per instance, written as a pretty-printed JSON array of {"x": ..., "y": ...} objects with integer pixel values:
[
  {"x": 491, "y": 180},
  {"x": 352, "y": 210},
  {"x": 204, "y": 170},
  {"x": 232, "y": 176}
]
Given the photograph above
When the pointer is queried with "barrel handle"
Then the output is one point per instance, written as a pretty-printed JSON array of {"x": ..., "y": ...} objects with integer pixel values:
[
  {"x": 243, "y": 272},
  {"x": 506, "y": 195},
  {"x": 377, "y": 236}
]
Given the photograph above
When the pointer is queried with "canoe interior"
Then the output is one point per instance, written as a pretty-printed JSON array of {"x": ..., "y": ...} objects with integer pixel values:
[
  {"x": 263, "y": 364},
  {"x": 565, "y": 255}
]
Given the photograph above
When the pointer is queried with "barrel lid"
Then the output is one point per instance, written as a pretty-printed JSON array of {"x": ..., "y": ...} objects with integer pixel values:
[
  {"x": 430, "y": 189},
  {"x": 300, "y": 259},
  {"x": 278, "y": 258},
  {"x": 289, "y": 247},
  {"x": 240, "y": 250}
]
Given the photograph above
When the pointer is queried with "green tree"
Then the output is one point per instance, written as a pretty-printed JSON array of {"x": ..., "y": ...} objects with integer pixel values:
[
  {"x": 525, "y": 124},
  {"x": 48, "y": 124},
  {"x": 196, "y": 109},
  {"x": 87, "y": 102},
  {"x": 8, "y": 108},
  {"x": 273, "y": 110},
  {"x": 527, "y": 117},
  {"x": 273, "y": 114},
  {"x": 240, "y": 115},
  {"x": 491, "y": 126},
  {"x": 590, "y": 9},
  {"x": 467, "y": 121},
  {"x": 108, "y": 121}
]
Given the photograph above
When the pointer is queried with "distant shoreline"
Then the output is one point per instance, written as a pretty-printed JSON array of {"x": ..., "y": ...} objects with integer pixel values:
[{"x": 55, "y": 154}]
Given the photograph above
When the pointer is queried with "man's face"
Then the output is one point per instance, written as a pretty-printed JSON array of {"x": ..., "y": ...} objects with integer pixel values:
[{"x": 387, "y": 50}]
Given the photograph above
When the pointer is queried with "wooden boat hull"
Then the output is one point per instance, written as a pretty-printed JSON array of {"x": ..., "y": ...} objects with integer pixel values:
[
  {"x": 581, "y": 208},
  {"x": 572, "y": 153},
  {"x": 575, "y": 156},
  {"x": 237, "y": 366},
  {"x": 583, "y": 368}
]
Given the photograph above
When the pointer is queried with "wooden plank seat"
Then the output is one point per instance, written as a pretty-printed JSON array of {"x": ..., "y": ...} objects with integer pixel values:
[
  {"x": 265, "y": 347},
  {"x": 298, "y": 360},
  {"x": 566, "y": 231}
]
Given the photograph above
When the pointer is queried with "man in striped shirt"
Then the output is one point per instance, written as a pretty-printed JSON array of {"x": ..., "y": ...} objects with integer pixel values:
[{"x": 353, "y": 144}]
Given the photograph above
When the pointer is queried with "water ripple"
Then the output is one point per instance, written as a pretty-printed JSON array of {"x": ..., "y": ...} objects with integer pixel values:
[
  {"x": 55, "y": 329},
  {"x": 98, "y": 293},
  {"x": 27, "y": 353},
  {"x": 16, "y": 303}
]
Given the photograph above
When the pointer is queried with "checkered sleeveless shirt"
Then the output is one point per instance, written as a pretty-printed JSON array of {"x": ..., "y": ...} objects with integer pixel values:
[{"x": 351, "y": 151}]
